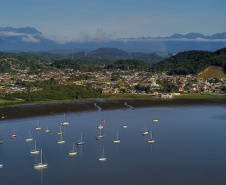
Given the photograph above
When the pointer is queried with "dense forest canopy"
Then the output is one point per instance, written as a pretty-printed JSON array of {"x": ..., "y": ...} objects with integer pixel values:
[{"x": 191, "y": 62}]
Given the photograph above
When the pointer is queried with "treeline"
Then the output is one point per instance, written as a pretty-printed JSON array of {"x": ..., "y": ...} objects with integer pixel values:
[
  {"x": 129, "y": 64},
  {"x": 74, "y": 64},
  {"x": 191, "y": 62},
  {"x": 52, "y": 91}
]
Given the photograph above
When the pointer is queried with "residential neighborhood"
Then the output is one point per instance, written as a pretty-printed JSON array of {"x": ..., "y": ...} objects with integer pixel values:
[{"x": 115, "y": 82}]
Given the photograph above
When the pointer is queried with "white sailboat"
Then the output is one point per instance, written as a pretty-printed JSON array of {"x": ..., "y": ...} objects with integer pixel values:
[
  {"x": 145, "y": 132},
  {"x": 1, "y": 165},
  {"x": 116, "y": 141},
  {"x": 124, "y": 126},
  {"x": 61, "y": 141},
  {"x": 80, "y": 142},
  {"x": 64, "y": 123},
  {"x": 73, "y": 152},
  {"x": 102, "y": 158},
  {"x": 38, "y": 127},
  {"x": 151, "y": 140},
  {"x": 29, "y": 138},
  {"x": 47, "y": 129},
  {"x": 40, "y": 165},
  {"x": 156, "y": 119},
  {"x": 100, "y": 136},
  {"x": 100, "y": 126},
  {"x": 35, "y": 151}
]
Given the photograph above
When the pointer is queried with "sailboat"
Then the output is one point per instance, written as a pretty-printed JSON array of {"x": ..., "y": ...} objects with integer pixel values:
[
  {"x": 156, "y": 119},
  {"x": 61, "y": 141},
  {"x": 14, "y": 134},
  {"x": 116, "y": 140},
  {"x": 151, "y": 140},
  {"x": 124, "y": 126},
  {"x": 100, "y": 136},
  {"x": 81, "y": 142},
  {"x": 100, "y": 126},
  {"x": 1, "y": 165},
  {"x": 35, "y": 151},
  {"x": 64, "y": 123},
  {"x": 145, "y": 132},
  {"x": 73, "y": 152},
  {"x": 41, "y": 164},
  {"x": 29, "y": 138},
  {"x": 47, "y": 129},
  {"x": 38, "y": 127},
  {"x": 60, "y": 132},
  {"x": 102, "y": 158}
]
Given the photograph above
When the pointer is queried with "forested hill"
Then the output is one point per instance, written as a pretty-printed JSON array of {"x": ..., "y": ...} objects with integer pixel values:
[
  {"x": 129, "y": 64},
  {"x": 191, "y": 62}
]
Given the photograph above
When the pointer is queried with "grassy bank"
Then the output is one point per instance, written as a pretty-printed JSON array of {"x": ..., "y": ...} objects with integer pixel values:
[{"x": 200, "y": 96}]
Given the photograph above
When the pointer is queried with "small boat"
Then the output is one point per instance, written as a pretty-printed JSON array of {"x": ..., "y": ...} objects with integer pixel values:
[
  {"x": 102, "y": 158},
  {"x": 145, "y": 132},
  {"x": 151, "y": 140},
  {"x": 61, "y": 141},
  {"x": 73, "y": 152},
  {"x": 1, "y": 165},
  {"x": 100, "y": 126},
  {"x": 116, "y": 141},
  {"x": 38, "y": 127},
  {"x": 80, "y": 143},
  {"x": 14, "y": 134},
  {"x": 40, "y": 165},
  {"x": 100, "y": 136},
  {"x": 124, "y": 126},
  {"x": 35, "y": 151},
  {"x": 1, "y": 142},
  {"x": 3, "y": 116},
  {"x": 60, "y": 132},
  {"x": 155, "y": 120},
  {"x": 47, "y": 129},
  {"x": 64, "y": 123},
  {"x": 29, "y": 138},
  {"x": 104, "y": 120}
]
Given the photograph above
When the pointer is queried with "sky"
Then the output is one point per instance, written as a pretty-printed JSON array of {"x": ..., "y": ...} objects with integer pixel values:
[{"x": 110, "y": 19}]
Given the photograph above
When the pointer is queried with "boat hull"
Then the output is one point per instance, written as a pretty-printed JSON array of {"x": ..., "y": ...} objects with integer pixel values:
[{"x": 40, "y": 166}]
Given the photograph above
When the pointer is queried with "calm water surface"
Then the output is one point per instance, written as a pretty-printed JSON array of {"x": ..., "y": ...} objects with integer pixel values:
[{"x": 189, "y": 148}]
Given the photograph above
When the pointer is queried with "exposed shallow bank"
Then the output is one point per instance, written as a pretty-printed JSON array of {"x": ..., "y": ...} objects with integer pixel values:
[{"x": 41, "y": 109}]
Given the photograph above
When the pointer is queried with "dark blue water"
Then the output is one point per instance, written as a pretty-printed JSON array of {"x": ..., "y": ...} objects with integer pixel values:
[{"x": 189, "y": 148}]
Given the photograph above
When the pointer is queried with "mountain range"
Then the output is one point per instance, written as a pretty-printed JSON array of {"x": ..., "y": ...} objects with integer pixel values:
[{"x": 30, "y": 39}]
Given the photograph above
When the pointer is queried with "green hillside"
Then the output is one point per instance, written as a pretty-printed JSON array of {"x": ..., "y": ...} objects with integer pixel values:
[{"x": 191, "y": 62}]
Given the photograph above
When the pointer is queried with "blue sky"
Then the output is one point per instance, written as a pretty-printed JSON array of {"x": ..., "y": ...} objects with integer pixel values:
[{"x": 84, "y": 19}]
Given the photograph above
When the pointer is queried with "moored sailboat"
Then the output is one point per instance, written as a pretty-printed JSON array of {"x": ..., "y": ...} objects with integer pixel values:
[
  {"x": 40, "y": 165},
  {"x": 151, "y": 140},
  {"x": 14, "y": 135},
  {"x": 80, "y": 142},
  {"x": 101, "y": 135},
  {"x": 145, "y": 132},
  {"x": 35, "y": 151},
  {"x": 38, "y": 127},
  {"x": 116, "y": 140},
  {"x": 47, "y": 129},
  {"x": 61, "y": 141},
  {"x": 102, "y": 158},
  {"x": 64, "y": 123},
  {"x": 156, "y": 119},
  {"x": 29, "y": 138},
  {"x": 73, "y": 152}
]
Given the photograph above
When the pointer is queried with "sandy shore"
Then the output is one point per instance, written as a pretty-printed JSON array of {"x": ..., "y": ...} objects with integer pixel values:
[{"x": 22, "y": 111}]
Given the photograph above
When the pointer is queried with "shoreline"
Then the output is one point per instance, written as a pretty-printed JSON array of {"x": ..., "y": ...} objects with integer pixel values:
[{"x": 52, "y": 108}]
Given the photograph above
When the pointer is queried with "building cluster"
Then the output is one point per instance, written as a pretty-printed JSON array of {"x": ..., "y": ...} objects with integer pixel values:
[{"x": 124, "y": 83}]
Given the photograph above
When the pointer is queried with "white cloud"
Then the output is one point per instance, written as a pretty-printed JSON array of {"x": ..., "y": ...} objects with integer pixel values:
[{"x": 30, "y": 38}]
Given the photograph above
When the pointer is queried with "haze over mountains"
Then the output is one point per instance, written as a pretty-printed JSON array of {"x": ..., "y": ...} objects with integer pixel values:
[{"x": 30, "y": 39}]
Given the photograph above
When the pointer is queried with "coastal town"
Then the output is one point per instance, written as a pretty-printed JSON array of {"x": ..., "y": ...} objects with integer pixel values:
[{"x": 115, "y": 82}]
